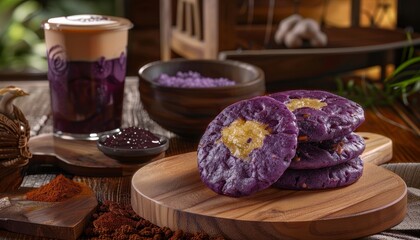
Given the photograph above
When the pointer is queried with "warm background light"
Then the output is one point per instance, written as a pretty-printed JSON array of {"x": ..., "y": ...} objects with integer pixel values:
[{"x": 381, "y": 13}]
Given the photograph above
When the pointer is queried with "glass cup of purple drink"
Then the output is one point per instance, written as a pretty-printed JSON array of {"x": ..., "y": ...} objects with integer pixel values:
[{"x": 86, "y": 71}]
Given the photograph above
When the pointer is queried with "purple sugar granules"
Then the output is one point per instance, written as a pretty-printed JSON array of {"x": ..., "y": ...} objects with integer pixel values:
[
  {"x": 133, "y": 138},
  {"x": 192, "y": 79}
]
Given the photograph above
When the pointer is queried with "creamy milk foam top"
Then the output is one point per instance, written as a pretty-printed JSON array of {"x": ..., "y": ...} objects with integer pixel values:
[
  {"x": 88, "y": 37},
  {"x": 85, "y": 20}
]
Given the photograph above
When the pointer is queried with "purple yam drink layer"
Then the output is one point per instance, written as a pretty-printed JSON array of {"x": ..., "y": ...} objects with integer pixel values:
[
  {"x": 86, "y": 70},
  {"x": 87, "y": 97}
]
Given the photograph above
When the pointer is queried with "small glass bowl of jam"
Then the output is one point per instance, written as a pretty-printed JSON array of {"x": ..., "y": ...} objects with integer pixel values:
[{"x": 132, "y": 144}]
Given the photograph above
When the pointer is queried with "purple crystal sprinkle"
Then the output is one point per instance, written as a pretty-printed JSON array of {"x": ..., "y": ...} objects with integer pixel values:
[{"x": 192, "y": 79}]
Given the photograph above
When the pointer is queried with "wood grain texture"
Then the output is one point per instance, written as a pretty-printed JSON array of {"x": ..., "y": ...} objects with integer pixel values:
[
  {"x": 58, "y": 220},
  {"x": 169, "y": 192},
  {"x": 81, "y": 157},
  {"x": 378, "y": 148}
]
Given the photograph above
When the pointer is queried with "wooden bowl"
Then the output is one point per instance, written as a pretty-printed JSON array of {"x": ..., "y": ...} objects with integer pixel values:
[{"x": 188, "y": 111}]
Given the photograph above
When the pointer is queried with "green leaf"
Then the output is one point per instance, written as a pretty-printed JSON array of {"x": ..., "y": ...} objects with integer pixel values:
[
  {"x": 16, "y": 31},
  {"x": 403, "y": 66},
  {"x": 25, "y": 10},
  {"x": 406, "y": 82},
  {"x": 8, "y": 5}
]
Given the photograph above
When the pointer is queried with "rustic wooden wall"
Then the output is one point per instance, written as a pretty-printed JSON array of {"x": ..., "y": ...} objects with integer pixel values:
[{"x": 144, "y": 41}]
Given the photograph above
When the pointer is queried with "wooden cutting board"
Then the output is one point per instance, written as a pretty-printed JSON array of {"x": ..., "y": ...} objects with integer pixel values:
[
  {"x": 81, "y": 158},
  {"x": 63, "y": 220},
  {"x": 169, "y": 192}
]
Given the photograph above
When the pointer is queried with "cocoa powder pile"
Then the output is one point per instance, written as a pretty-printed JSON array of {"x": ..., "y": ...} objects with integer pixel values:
[
  {"x": 120, "y": 222},
  {"x": 59, "y": 189}
]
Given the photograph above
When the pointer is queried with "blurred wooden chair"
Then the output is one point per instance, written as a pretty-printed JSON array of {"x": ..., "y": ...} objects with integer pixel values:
[{"x": 202, "y": 28}]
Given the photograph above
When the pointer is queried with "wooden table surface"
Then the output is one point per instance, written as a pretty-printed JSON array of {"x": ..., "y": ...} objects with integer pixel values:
[{"x": 393, "y": 122}]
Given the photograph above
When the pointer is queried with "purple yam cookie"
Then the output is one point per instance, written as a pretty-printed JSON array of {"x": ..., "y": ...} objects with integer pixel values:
[
  {"x": 321, "y": 115},
  {"x": 310, "y": 155},
  {"x": 330, "y": 177},
  {"x": 247, "y": 147}
]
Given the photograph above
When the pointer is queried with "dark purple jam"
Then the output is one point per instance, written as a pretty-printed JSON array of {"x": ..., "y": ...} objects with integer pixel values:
[
  {"x": 87, "y": 97},
  {"x": 133, "y": 138},
  {"x": 192, "y": 79}
]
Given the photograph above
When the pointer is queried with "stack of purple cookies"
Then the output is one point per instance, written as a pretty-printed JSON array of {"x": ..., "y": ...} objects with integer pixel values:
[
  {"x": 328, "y": 151},
  {"x": 293, "y": 140}
]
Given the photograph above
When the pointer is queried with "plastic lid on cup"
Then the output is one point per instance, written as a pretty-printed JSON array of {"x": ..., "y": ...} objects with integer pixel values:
[{"x": 87, "y": 22}]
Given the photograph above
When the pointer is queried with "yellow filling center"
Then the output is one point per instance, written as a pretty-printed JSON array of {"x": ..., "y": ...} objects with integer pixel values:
[
  {"x": 305, "y": 102},
  {"x": 241, "y": 137}
]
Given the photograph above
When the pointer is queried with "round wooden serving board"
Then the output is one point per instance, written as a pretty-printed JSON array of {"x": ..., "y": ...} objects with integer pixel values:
[{"x": 169, "y": 192}]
